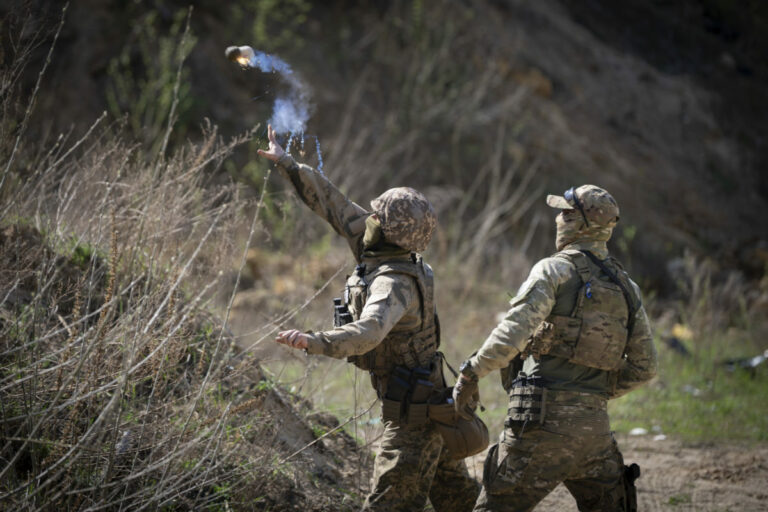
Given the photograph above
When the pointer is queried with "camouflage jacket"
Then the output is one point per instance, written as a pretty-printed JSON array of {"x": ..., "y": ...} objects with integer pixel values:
[
  {"x": 551, "y": 288},
  {"x": 393, "y": 299}
]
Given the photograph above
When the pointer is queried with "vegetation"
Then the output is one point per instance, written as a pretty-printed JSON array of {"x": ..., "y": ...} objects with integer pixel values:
[
  {"x": 706, "y": 389},
  {"x": 120, "y": 389},
  {"x": 146, "y": 262}
]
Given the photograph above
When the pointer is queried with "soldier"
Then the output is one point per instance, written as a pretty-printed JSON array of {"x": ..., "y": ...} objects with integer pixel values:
[
  {"x": 392, "y": 333},
  {"x": 576, "y": 335}
]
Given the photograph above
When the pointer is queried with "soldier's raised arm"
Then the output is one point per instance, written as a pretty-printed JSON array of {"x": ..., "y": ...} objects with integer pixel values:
[{"x": 313, "y": 188}]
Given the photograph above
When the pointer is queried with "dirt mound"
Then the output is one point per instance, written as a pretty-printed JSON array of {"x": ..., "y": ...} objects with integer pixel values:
[{"x": 191, "y": 428}]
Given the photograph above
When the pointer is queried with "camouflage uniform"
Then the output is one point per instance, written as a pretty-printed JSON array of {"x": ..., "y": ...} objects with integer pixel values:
[
  {"x": 571, "y": 442},
  {"x": 412, "y": 464}
]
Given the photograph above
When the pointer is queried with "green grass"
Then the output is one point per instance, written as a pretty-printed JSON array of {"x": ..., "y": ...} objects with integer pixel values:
[
  {"x": 696, "y": 398},
  {"x": 693, "y": 398}
]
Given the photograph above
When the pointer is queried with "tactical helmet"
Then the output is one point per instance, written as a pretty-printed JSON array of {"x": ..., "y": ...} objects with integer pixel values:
[
  {"x": 595, "y": 204},
  {"x": 407, "y": 218}
]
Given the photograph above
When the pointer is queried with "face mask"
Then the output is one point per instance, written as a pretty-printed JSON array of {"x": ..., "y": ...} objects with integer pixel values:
[
  {"x": 571, "y": 228},
  {"x": 373, "y": 233}
]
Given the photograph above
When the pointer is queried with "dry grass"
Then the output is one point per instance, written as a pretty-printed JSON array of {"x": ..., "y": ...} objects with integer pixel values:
[{"x": 119, "y": 390}]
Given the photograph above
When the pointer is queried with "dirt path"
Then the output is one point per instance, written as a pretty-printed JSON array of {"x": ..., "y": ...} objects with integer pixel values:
[{"x": 676, "y": 476}]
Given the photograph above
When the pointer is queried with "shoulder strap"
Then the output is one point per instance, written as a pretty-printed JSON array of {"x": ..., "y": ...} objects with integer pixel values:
[
  {"x": 632, "y": 305},
  {"x": 578, "y": 260}
]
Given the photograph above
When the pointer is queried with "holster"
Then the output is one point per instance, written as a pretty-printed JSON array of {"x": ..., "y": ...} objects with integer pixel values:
[{"x": 631, "y": 473}]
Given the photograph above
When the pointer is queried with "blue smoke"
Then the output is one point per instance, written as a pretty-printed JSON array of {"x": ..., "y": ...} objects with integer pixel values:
[
  {"x": 269, "y": 63},
  {"x": 289, "y": 115},
  {"x": 292, "y": 109}
]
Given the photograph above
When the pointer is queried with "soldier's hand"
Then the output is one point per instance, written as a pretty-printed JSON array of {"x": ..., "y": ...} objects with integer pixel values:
[
  {"x": 293, "y": 338},
  {"x": 275, "y": 151},
  {"x": 466, "y": 396}
]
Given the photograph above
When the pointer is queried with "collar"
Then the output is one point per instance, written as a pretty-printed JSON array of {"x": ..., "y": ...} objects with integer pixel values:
[{"x": 598, "y": 248}]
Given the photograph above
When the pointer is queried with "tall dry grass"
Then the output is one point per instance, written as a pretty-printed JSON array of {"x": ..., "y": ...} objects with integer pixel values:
[{"x": 118, "y": 389}]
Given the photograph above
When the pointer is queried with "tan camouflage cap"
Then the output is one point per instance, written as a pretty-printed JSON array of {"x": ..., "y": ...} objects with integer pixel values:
[
  {"x": 595, "y": 203},
  {"x": 407, "y": 217}
]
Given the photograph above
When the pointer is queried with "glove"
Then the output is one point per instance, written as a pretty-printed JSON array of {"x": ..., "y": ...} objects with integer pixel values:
[{"x": 466, "y": 396}]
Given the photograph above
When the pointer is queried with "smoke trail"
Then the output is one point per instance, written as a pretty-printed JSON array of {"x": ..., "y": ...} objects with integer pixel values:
[{"x": 292, "y": 109}]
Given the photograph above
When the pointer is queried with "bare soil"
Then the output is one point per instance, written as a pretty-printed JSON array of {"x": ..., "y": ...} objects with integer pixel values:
[{"x": 679, "y": 476}]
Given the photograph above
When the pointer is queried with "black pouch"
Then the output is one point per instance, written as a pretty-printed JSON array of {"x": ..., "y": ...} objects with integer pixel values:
[
  {"x": 417, "y": 406},
  {"x": 527, "y": 401},
  {"x": 397, "y": 388}
]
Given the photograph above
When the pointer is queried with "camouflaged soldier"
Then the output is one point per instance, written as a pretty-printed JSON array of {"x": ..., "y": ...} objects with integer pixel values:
[
  {"x": 576, "y": 335},
  {"x": 392, "y": 332}
]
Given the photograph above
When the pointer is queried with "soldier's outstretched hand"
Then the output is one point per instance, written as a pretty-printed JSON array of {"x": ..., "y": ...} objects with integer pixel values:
[
  {"x": 293, "y": 338},
  {"x": 275, "y": 150}
]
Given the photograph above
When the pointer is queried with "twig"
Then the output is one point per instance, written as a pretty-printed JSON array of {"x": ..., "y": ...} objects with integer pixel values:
[
  {"x": 31, "y": 104},
  {"x": 174, "y": 104}
]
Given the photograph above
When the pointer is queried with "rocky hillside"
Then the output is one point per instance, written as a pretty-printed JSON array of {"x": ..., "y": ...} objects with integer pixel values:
[{"x": 662, "y": 103}]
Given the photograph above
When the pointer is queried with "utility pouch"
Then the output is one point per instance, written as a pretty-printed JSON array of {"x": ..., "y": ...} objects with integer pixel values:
[
  {"x": 417, "y": 406},
  {"x": 394, "y": 402},
  {"x": 397, "y": 388},
  {"x": 527, "y": 401},
  {"x": 462, "y": 437},
  {"x": 421, "y": 391},
  {"x": 390, "y": 410},
  {"x": 408, "y": 392}
]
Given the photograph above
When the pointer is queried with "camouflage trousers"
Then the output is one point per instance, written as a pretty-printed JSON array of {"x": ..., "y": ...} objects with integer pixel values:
[
  {"x": 412, "y": 466},
  {"x": 574, "y": 446}
]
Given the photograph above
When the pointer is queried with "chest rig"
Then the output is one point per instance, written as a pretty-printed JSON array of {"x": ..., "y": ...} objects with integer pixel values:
[
  {"x": 596, "y": 332},
  {"x": 406, "y": 347}
]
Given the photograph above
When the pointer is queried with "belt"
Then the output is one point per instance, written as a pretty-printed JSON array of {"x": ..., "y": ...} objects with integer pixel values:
[{"x": 579, "y": 398}]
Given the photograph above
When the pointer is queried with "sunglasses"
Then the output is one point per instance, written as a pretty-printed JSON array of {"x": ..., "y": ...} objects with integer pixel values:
[{"x": 570, "y": 196}]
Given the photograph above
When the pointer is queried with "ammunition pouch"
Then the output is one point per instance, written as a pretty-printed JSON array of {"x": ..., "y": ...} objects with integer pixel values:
[
  {"x": 408, "y": 392},
  {"x": 416, "y": 396},
  {"x": 527, "y": 402}
]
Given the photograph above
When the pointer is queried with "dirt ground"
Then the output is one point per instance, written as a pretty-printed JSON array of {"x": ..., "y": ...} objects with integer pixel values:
[{"x": 677, "y": 476}]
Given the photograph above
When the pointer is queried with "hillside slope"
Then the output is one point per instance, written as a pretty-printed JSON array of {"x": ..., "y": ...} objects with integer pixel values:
[{"x": 660, "y": 103}]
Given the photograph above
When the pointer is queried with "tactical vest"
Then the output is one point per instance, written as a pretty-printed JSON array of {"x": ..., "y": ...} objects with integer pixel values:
[
  {"x": 596, "y": 332},
  {"x": 409, "y": 348}
]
